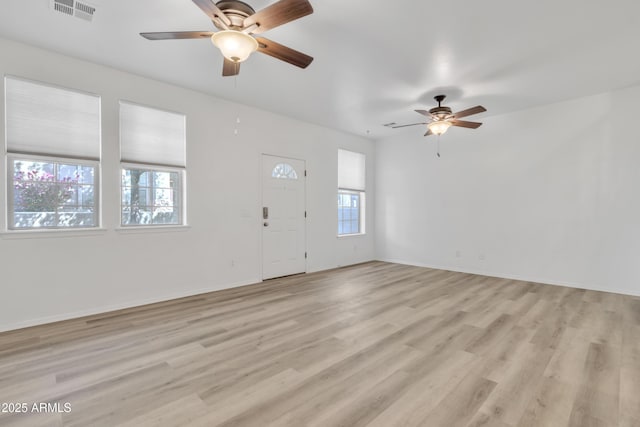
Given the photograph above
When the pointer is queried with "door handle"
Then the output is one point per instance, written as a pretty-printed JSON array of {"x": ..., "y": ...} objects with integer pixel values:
[{"x": 265, "y": 212}]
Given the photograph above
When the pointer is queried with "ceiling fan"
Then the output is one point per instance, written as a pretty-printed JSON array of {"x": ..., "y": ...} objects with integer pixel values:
[
  {"x": 238, "y": 23},
  {"x": 442, "y": 118}
]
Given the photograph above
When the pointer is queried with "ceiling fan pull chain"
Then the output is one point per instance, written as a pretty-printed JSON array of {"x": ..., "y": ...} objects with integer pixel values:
[
  {"x": 438, "y": 150},
  {"x": 235, "y": 88}
]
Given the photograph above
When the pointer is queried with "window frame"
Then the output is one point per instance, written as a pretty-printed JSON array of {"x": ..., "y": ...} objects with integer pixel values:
[
  {"x": 181, "y": 208},
  {"x": 10, "y": 195},
  {"x": 361, "y": 211},
  {"x": 51, "y": 154}
]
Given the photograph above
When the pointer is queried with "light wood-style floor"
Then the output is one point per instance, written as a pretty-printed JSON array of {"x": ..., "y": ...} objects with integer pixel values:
[{"x": 376, "y": 344}]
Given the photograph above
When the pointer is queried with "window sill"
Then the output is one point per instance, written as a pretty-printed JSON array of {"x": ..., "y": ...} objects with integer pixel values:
[
  {"x": 342, "y": 236},
  {"x": 52, "y": 233},
  {"x": 153, "y": 229}
]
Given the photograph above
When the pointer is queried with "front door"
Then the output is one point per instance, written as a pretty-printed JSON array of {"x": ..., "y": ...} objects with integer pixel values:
[{"x": 283, "y": 216}]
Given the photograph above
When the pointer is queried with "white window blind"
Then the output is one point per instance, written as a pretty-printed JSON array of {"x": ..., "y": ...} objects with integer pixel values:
[
  {"x": 47, "y": 120},
  {"x": 351, "y": 170},
  {"x": 151, "y": 136}
]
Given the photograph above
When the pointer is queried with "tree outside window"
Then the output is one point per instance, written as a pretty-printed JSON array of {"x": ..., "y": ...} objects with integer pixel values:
[
  {"x": 150, "y": 197},
  {"x": 51, "y": 194}
]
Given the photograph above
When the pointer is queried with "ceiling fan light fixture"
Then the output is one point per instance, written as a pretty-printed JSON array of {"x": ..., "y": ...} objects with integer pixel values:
[
  {"x": 439, "y": 127},
  {"x": 235, "y": 45}
]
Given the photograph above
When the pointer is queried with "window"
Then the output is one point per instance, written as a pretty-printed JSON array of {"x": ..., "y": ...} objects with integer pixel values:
[
  {"x": 348, "y": 212},
  {"x": 53, "y": 147},
  {"x": 284, "y": 171},
  {"x": 152, "y": 152},
  {"x": 351, "y": 192},
  {"x": 50, "y": 194},
  {"x": 150, "y": 197}
]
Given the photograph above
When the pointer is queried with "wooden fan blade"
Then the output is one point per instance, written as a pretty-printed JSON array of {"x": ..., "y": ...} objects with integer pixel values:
[
  {"x": 278, "y": 14},
  {"x": 230, "y": 68},
  {"x": 469, "y": 112},
  {"x": 428, "y": 133},
  {"x": 423, "y": 112},
  {"x": 212, "y": 11},
  {"x": 463, "y": 124},
  {"x": 404, "y": 126},
  {"x": 283, "y": 53},
  {"x": 176, "y": 35}
]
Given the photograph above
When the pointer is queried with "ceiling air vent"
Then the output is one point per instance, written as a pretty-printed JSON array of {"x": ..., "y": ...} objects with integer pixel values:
[
  {"x": 63, "y": 6},
  {"x": 84, "y": 11},
  {"x": 74, "y": 8}
]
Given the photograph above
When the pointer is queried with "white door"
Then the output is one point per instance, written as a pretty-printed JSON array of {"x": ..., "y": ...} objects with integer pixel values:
[{"x": 283, "y": 216}]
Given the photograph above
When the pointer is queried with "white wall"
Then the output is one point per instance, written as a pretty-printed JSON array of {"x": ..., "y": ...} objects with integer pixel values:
[
  {"x": 549, "y": 195},
  {"x": 63, "y": 275}
]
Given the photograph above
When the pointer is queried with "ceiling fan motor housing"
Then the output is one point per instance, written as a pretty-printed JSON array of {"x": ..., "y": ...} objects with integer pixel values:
[
  {"x": 236, "y": 11},
  {"x": 441, "y": 112}
]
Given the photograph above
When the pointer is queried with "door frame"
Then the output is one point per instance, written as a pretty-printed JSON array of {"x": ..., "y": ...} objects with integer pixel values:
[{"x": 306, "y": 226}]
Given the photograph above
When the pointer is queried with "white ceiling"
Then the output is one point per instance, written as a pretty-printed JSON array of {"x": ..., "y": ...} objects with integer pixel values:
[{"x": 375, "y": 62}]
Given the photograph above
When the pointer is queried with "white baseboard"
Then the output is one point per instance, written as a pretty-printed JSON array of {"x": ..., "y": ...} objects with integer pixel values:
[
  {"x": 121, "y": 306},
  {"x": 590, "y": 287}
]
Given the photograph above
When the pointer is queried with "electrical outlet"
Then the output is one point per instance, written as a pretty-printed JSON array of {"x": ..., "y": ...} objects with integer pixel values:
[
  {"x": 481, "y": 257},
  {"x": 458, "y": 254}
]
